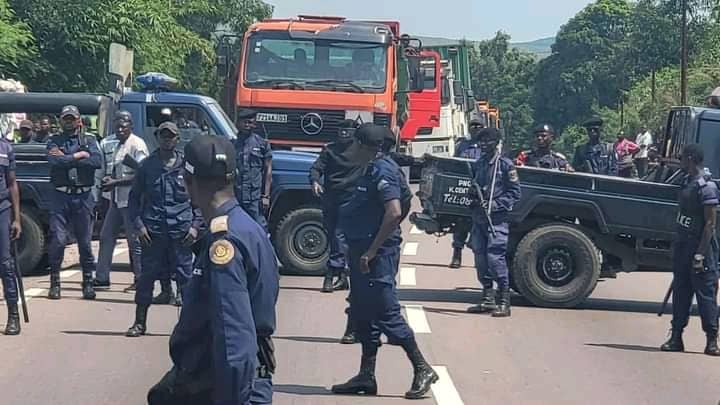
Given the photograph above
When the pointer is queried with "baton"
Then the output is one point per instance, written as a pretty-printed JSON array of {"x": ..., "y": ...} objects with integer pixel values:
[
  {"x": 665, "y": 301},
  {"x": 21, "y": 287}
]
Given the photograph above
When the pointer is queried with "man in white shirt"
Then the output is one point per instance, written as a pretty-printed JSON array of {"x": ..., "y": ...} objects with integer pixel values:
[
  {"x": 116, "y": 187},
  {"x": 644, "y": 141}
]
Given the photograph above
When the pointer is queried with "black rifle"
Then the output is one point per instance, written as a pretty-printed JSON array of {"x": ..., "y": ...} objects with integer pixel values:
[
  {"x": 130, "y": 162},
  {"x": 21, "y": 286},
  {"x": 481, "y": 198},
  {"x": 665, "y": 301}
]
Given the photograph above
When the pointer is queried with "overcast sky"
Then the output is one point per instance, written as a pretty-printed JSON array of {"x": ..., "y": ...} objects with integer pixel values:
[{"x": 524, "y": 20}]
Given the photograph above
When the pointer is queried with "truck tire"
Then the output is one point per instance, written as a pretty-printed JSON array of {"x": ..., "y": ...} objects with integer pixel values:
[
  {"x": 556, "y": 266},
  {"x": 31, "y": 246},
  {"x": 301, "y": 242}
]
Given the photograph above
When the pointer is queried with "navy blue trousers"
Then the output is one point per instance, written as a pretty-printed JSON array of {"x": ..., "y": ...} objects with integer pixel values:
[
  {"x": 491, "y": 255},
  {"x": 338, "y": 245},
  {"x": 253, "y": 209},
  {"x": 686, "y": 283},
  {"x": 164, "y": 256},
  {"x": 7, "y": 270},
  {"x": 461, "y": 235},
  {"x": 71, "y": 212}
]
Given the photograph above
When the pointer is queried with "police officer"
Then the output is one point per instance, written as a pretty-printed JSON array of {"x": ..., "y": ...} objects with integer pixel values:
[
  {"x": 468, "y": 149},
  {"x": 695, "y": 254},
  {"x": 499, "y": 198},
  {"x": 254, "y": 160},
  {"x": 335, "y": 171},
  {"x": 165, "y": 222},
  {"x": 10, "y": 229},
  {"x": 221, "y": 348},
  {"x": 542, "y": 155},
  {"x": 595, "y": 157},
  {"x": 74, "y": 157},
  {"x": 370, "y": 220}
]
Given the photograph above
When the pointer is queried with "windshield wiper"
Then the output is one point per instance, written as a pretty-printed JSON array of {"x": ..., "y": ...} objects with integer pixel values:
[
  {"x": 279, "y": 83},
  {"x": 332, "y": 82}
]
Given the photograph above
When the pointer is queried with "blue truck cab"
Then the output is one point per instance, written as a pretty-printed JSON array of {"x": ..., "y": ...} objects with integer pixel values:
[{"x": 295, "y": 217}]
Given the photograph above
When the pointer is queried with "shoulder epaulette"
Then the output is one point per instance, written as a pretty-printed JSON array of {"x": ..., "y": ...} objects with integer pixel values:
[{"x": 219, "y": 224}]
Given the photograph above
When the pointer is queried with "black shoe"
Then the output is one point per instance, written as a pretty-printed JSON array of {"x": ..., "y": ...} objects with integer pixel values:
[
  {"x": 348, "y": 339},
  {"x": 88, "y": 292},
  {"x": 456, "y": 261},
  {"x": 164, "y": 298},
  {"x": 101, "y": 284},
  {"x": 363, "y": 383},
  {"x": 139, "y": 327},
  {"x": 487, "y": 303},
  {"x": 711, "y": 348},
  {"x": 423, "y": 380},
  {"x": 54, "y": 293},
  {"x": 131, "y": 288},
  {"x": 327, "y": 286},
  {"x": 503, "y": 305},
  {"x": 178, "y": 300},
  {"x": 674, "y": 344},
  {"x": 12, "y": 327},
  {"x": 342, "y": 282}
]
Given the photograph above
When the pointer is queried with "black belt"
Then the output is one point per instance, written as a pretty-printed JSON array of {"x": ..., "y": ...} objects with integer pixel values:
[{"x": 73, "y": 190}]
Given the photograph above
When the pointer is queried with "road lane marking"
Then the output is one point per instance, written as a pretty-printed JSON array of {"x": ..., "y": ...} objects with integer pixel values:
[
  {"x": 410, "y": 249},
  {"x": 415, "y": 231},
  {"x": 444, "y": 390},
  {"x": 407, "y": 276},
  {"x": 69, "y": 273},
  {"x": 119, "y": 251},
  {"x": 34, "y": 292},
  {"x": 416, "y": 319}
]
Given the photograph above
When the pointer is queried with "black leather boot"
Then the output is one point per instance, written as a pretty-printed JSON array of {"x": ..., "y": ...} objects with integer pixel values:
[
  {"x": 166, "y": 295},
  {"x": 178, "y": 299},
  {"x": 140, "y": 326},
  {"x": 88, "y": 291},
  {"x": 349, "y": 335},
  {"x": 503, "y": 304},
  {"x": 456, "y": 261},
  {"x": 363, "y": 383},
  {"x": 424, "y": 376},
  {"x": 487, "y": 303},
  {"x": 54, "y": 293},
  {"x": 327, "y": 286},
  {"x": 675, "y": 343},
  {"x": 342, "y": 282},
  {"x": 711, "y": 348},
  {"x": 13, "y": 323}
]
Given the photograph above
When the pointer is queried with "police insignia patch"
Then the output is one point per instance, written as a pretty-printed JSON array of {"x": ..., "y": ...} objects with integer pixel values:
[
  {"x": 512, "y": 174},
  {"x": 221, "y": 252}
]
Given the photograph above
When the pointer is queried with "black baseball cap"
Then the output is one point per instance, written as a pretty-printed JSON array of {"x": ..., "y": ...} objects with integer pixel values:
[
  {"x": 544, "y": 128},
  {"x": 27, "y": 124},
  {"x": 210, "y": 156},
  {"x": 476, "y": 121},
  {"x": 490, "y": 133},
  {"x": 594, "y": 122},
  {"x": 167, "y": 126},
  {"x": 371, "y": 135},
  {"x": 70, "y": 110},
  {"x": 246, "y": 113}
]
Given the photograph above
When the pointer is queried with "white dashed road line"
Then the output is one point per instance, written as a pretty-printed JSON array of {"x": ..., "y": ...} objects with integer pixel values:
[
  {"x": 416, "y": 319},
  {"x": 69, "y": 273},
  {"x": 119, "y": 251},
  {"x": 34, "y": 292},
  {"x": 415, "y": 231},
  {"x": 444, "y": 390},
  {"x": 407, "y": 276},
  {"x": 410, "y": 249}
]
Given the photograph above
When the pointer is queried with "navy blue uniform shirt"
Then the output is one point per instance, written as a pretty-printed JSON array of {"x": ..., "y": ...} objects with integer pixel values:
[
  {"x": 695, "y": 194},
  {"x": 7, "y": 165},
  {"x": 253, "y": 152},
  {"x": 468, "y": 149},
  {"x": 159, "y": 200},
  {"x": 69, "y": 145},
  {"x": 506, "y": 192}
]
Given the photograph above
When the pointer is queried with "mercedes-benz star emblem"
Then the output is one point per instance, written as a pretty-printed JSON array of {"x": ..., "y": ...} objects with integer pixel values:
[{"x": 311, "y": 123}]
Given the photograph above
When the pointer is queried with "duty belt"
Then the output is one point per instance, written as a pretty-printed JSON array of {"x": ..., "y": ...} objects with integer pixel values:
[{"x": 73, "y": 190}]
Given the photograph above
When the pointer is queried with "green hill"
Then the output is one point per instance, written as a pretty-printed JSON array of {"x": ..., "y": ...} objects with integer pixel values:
[{"x": 541, "y": 48}]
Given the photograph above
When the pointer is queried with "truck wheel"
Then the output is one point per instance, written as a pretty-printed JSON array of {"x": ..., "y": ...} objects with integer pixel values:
[
  {"x": 31, "y": 246},
  {"x": 556, "y": 266},
  {"x": 301, "y": 242}
]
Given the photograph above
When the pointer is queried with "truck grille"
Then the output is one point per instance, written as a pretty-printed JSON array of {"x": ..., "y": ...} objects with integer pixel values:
[{"x": 382, "y": 119}]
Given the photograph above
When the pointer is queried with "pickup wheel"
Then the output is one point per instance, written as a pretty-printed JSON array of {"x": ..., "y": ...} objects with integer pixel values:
[
  {"x": 556, "y": 266},
  {"x": 31, "y": 246},
  {"x": 301, "y": 242}
]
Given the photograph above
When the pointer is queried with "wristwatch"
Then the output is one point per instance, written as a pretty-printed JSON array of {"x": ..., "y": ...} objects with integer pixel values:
[{"x": 698, "y": 257}]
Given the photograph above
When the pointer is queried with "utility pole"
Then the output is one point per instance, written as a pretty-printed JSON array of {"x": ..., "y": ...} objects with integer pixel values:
[{"x": 684, "y": 56}]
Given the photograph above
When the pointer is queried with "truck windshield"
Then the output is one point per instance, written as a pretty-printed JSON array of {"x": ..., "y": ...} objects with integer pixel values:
[{"x": 274, "y": 60}]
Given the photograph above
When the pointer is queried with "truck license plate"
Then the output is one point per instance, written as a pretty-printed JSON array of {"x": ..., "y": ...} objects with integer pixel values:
[{"x": 269, "y": 117}]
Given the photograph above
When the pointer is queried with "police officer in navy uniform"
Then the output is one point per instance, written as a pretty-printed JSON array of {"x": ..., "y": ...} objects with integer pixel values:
[
  {"x": 74, "y": 157},
  {"x": 335, "y": 172},
  {"x": 695, "y": 253},
  {"x": 467, "y": 149},
  {"x": 491, "y": 250},
  {"x": 595, "y": 157},
  {"x": 221, "y": 348},
  {"x": 371, "y": 220},
  {"x": 254, "y": 160},
  {"x": 165, "y": 222},
  {"x": 10, "y": 230},
  {"x": 542, "y": 155}
]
